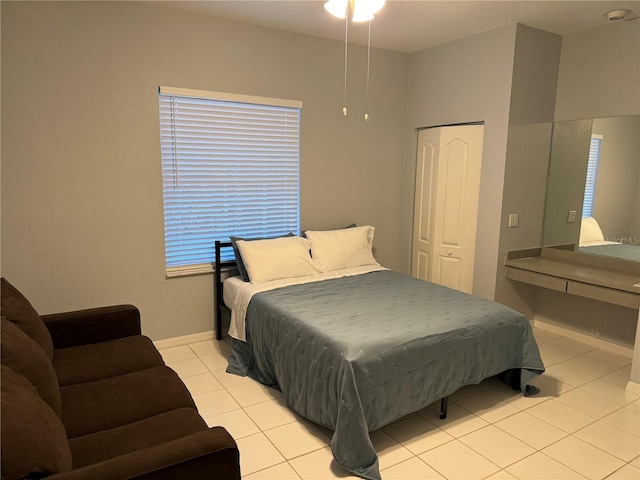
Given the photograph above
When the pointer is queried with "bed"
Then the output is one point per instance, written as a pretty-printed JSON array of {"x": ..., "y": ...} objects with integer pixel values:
[
  {"x": 592, "y": 242},
  {"x": 356, "y": 348}
]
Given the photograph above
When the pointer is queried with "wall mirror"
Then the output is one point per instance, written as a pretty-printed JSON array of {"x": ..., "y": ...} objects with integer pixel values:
[{"x": 599, "y": 156}]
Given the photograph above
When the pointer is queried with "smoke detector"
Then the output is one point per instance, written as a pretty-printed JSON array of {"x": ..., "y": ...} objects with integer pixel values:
[{"x": 619, "y": 14}]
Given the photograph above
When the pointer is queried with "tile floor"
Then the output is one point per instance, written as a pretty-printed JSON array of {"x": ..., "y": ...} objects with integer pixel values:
[{"x": 582, "y": 425}]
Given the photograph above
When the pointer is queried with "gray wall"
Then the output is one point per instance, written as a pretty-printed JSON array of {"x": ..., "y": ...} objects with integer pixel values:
[
  {"x": 465, "y": 81},
  {"x": 531, "y": 109},
  {"x": 82, "y": 221},
  {"x": 566, "y": 181},
  {"x": 616, "y": 205},
  {"x": 599, "y": 73},
  {"x": 82, "y": 217},
  {"x": 598, "y": 76}
]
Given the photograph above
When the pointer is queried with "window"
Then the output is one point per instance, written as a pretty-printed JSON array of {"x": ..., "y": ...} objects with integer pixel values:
[
  {"x": 230, "y": 166},
  {"x": 592, "y": 172}
]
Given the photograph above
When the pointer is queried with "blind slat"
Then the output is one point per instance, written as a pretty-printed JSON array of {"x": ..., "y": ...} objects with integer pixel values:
[
  {"x": 592, "y": 172},
  {"x": 229, "y": 168}
]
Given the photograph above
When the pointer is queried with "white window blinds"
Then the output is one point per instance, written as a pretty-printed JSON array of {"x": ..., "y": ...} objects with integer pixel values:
[
  {"x": 230, "y": 166},
  {"x": 592, "y": 172}
]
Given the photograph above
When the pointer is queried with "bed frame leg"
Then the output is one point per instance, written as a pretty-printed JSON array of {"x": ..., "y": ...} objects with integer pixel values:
[{"x": 443, "y": 407}]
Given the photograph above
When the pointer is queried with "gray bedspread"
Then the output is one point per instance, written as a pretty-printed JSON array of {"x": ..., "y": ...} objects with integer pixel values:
[
  {"x": 624, "y": 251},
  {"x": 356, "y": 353}
]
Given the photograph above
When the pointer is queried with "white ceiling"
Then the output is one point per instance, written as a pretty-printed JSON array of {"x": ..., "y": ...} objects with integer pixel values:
[{"x": 413, "y": 25}]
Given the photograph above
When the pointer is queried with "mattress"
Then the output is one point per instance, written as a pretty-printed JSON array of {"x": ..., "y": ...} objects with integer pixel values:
[{"x": 356, "y": 353}]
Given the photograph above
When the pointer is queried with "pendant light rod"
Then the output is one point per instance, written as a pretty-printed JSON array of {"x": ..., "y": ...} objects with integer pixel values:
[
  {"x": 366, "y": 108},
  {"x": 346, "y": 49}
]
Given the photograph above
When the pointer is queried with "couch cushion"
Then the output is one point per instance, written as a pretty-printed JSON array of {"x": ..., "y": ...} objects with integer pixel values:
[
  {"x": 99, "y": 446},
  {"x": 95, "y": 406},
  {"x": 97, "y": 361},
  {"x": 17, "y": 309},
  {"x": 24, "y": 356},
  {"x": 34, "y": 442}
]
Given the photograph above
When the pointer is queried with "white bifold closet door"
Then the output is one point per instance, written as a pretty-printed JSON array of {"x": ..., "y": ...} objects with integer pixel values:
[{"x": 448, "y": 170}]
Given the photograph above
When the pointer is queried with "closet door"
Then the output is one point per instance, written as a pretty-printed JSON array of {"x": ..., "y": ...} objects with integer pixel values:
[
  {"x": 452, "y": 194},
  {"x": 424, "y": 202}
]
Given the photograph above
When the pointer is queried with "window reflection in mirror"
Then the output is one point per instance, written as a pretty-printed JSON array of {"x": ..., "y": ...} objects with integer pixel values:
[{"x": 613, "y": 227}]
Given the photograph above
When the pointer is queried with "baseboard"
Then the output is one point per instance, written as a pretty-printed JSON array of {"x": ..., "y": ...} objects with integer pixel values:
[
  {"x": 633, "y": 387},
  {"x": 184, "y": 340},
  {"x": 584, "y": 338}
]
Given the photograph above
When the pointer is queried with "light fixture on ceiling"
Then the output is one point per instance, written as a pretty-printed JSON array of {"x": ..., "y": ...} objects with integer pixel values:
[
  {"x": 361, "y": 11},
  {"x": 620, "y": 14}
]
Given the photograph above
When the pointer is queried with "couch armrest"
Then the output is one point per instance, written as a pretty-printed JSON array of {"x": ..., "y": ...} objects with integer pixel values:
[
  {"x": 211, "y": 454},
  {"x": 92, "y": 325}
]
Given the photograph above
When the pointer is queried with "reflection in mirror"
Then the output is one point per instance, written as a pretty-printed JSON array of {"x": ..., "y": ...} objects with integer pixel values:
[{"x": 604, "y": 154}]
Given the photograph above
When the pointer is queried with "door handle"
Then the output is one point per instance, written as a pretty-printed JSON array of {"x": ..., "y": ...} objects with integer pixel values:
[{"x": 449, "y": 253}]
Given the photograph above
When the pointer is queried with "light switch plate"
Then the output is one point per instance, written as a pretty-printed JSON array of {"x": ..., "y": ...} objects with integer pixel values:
[
  {"x": 513, "y": 220},
  {"x": 571, "y": 218}
]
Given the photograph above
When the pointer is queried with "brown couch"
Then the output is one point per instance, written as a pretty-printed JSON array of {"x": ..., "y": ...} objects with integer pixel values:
[{"x": 86, "y": 396}]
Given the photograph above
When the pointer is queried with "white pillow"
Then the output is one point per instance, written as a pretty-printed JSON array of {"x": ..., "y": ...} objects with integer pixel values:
[
  {"x": 345, "y": 248},
  {"x": 590, "y": 231},
  {"x": 276, "y": 258}
]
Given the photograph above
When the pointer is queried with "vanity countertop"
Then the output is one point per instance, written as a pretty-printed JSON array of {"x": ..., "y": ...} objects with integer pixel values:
[{"x": 601, "y": 278}]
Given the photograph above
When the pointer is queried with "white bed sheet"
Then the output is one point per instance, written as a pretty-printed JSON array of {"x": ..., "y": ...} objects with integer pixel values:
[{"x": 237, "y": 293}]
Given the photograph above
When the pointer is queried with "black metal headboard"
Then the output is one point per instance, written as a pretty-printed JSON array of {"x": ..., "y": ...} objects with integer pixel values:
[{"x": 219, "y": 303}]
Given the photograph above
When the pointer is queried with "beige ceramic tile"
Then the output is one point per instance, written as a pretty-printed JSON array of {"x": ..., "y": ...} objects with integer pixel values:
[
  {"x": 215, "y": 403},
  {"x": 497, "y": 446},
  {"x": 412, "y": 469},
  {"x": 458, "y": 422},
  {"x": 389, "y": 451},
  {"x": 188, "y": 368},
  {"x": 611, "y": 439},
  {"x": 625, "y": 419},
  {"x": 211, "y": 347},
  {"x": 561, "y": 416},
  {"x": 466, "y": 391},
  {"x": 550, "y": 386},
  {"x": 257, "y": 453},
  {"x": 552, "y": 354},
  {"x": 570, "y": 375},
  {"x": 614, "y": 359},
  {"x": 203, "y": 383},
  {"x": 583, "y": 457},
  {"x": 282, "y": 471},
  {"x": 214, "y": 362},
  {"x": 563, "y": 349},
  {"x": 588, "y": 403},
  {"x": 252, "y": 392},
  {"x": 297, "y": 438},
  {"x": 417, "y": 434},
  {"x": 454, "y": 460},
  {"x": 229, "y": 379},
  {"x": 620, "y": 377},
  {"x": 628, "y": 472},
  {"x": 271, "y": 414},
  {"x": 516, "y": 398},
  {"x": 531, "y": 430},
  {"x": 174, "y": 354},
  {"x": 541, "y": 467},
  {"x": 237, "y": 423},
  {"x": 503, "y": 392},
  {"x": 501, "y": 475},
  {"x": 319, "y": 465},
  {"x": 611, "y": 392},
  {"x": 487, "y": 407},
  {"x": 635, "y": 462},
  {"x": 544, "y": 336},
  {"x": 635, "y": 405},
  {"x": 588, "y": 364}
]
